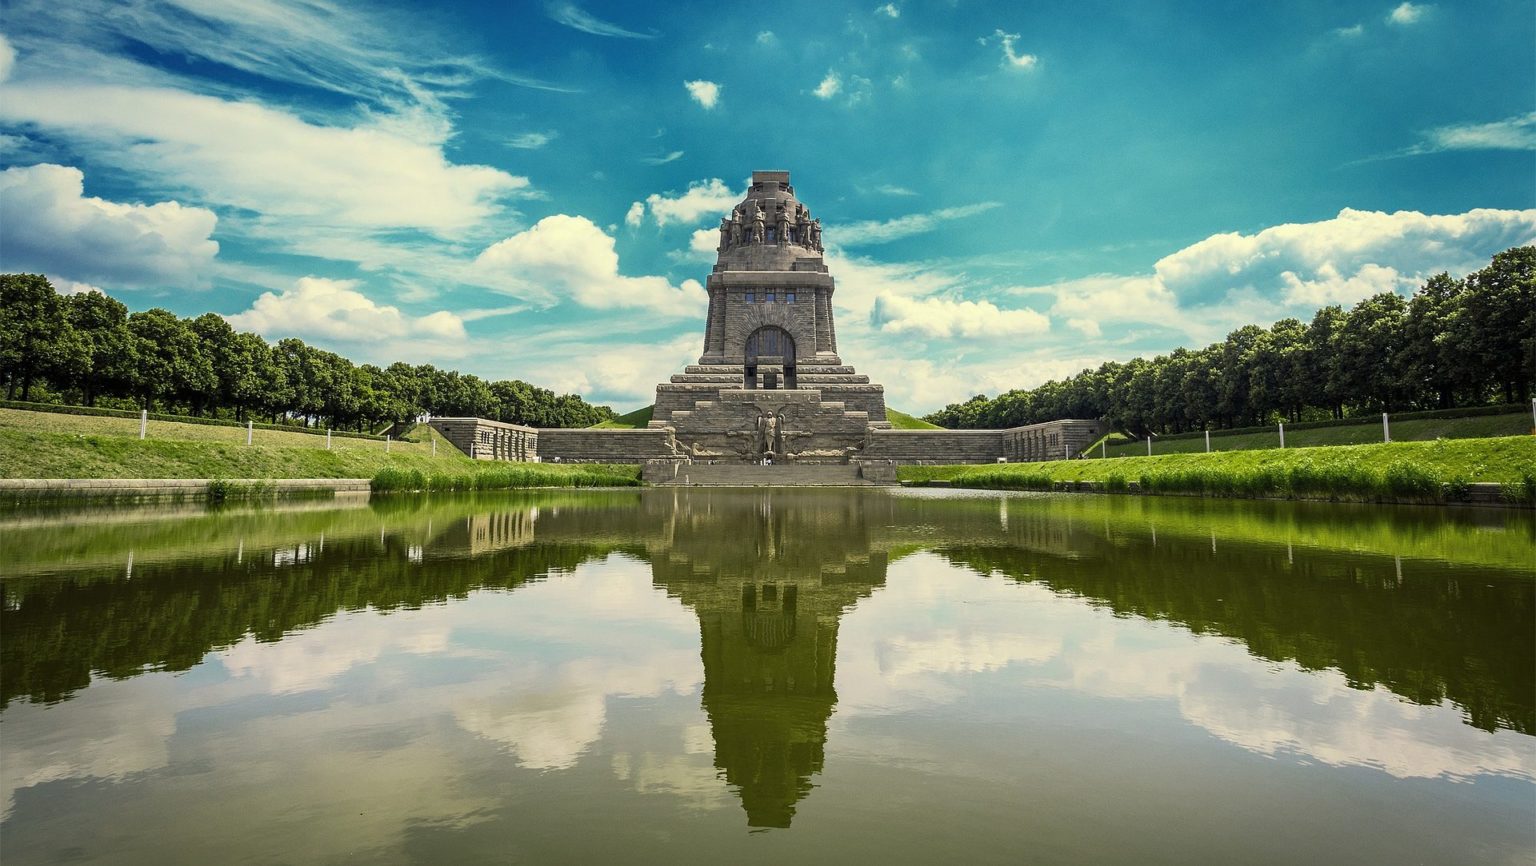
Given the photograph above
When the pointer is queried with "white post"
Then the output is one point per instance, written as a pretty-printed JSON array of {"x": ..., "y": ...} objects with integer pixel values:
[
  {"x": 386, "y": 443},
  {"x": 1066, "y": 451},
  {"x": 1282, "y": 434},
  {"x": 249, "y": 426},
  {"x": 434, "y": 447},
  {"x": 1104, "y": 449},
  {"x": 143, "y": 422},
  {"x": 1207, "y": 440},
  {"x": 327, "y": 438},
  {"x": 1533, "y": 414},
  {"x": 1386, "y": 431},
  {"x": 1149, "y": 444}
]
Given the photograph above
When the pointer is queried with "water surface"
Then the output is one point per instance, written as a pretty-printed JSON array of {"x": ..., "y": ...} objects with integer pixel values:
[{"x": 830, "y": 676}]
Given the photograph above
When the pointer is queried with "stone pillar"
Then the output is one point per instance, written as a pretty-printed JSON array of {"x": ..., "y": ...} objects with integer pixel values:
[{"x": 823, "y": 322}]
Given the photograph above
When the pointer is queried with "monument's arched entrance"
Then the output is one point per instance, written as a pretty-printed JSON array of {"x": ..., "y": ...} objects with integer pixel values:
[{"x": 776, "y": 349}]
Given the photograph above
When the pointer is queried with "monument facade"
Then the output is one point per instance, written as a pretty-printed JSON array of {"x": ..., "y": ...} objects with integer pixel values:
[{"x": 770, "y": 385}]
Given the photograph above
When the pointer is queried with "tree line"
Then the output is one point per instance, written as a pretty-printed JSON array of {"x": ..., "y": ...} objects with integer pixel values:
[
  {"x": 87, "y": 349},
  {"x": 1455, "y": 343}
]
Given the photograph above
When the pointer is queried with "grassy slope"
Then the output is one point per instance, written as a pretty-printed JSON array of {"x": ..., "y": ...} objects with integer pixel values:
[
  {"x": 631, "y": 421},
  {"x": 903, "y": 421},
  {"x": 1366, "y": 432},
  {"x": 1505, "y": 460},
  {"x": 46, "y": 445}
]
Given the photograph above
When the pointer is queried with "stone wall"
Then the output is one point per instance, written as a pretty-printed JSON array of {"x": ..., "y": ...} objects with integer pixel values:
[
  {"x": 604, "y": 446},
  {"x": 490, "y": 440},
  {"x": 1054, "y": 440}
]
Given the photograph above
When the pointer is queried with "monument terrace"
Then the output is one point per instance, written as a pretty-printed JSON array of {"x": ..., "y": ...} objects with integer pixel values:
[{"x": 770, "y": 388}]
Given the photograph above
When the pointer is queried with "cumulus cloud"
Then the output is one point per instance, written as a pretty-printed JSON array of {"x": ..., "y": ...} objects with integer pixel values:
[
  {"x": 336, "y": 310},
  {"x": 1406, "y": 13},
  {"x": 946, "y": 317},
  {"x": 766, "y": 37},
  {"x": 703, "y": 198},
  {"x": 575, "y": 17},
  {"x": 48, "y": 225},
  {"x": 705, "y": 93},
  {"x": 880, "y": 232},
  {"x": 635, "y": 215},
  {"x": 1231, "y": 279},
  {"x": 829, "y": 86},
  {"x": 389, "y": 172},
  {"x": 1012, "y": 59},
  {"x": 574, "y": 258},
  {"x": 889, "y": 10}
]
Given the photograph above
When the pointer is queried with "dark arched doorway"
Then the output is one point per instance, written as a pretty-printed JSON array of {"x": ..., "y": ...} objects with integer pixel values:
[{"x": 770, "y": 341}]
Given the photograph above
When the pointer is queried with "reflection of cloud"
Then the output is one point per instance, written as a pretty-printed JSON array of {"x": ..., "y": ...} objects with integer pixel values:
[
  {"x": 691, "y": 777},
  {"x": 918, "y": 643},
  {"x": 108, "y": 731},
  {"x": 314, "y": 659}
]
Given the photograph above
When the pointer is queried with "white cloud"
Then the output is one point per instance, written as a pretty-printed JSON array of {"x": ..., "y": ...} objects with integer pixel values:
[
  {"x": 879, "y": 232},
  {"x": 532, "y": 140},
  {"x": 767, "y": 38},
  {"x": 1086, "y": 327},
  {"x": 1350, "y": 32},
  {"x": 573, "y": 258},
  {"x": 704, "y": 243},
  {"x": 1012, "y": 59},
  {"x": 619, "y": 373},
  {"x": 705, "y": 93},
  {"x": 575, "y": 17},
  {"x": 674, "y": 156},
  {"x": 49, "y": 225},
  {"x": 388, "y": 172},
  {"x": 1407, "y": 13},
  {"x": 1210, "y": 286},
  {"x": 7, "y": 57},
  {"x": 829, "y": 86},
  {"x": 1511, "y": 133},
  {"x": 947, "y": 318},
  {"x": 889, "y": 10},
  {"x": 893, "y": 189},
  {"x": 635, "y": 215},
  {"x": 704, "y": 198},
  {"x": 336, "y": 310}
]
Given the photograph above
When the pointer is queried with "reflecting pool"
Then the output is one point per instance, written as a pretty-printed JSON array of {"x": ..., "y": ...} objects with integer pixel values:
[{"x": 672, "y": 675}]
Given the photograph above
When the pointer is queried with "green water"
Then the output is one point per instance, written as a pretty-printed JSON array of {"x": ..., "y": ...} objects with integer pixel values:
[{"x": 676, "y": 676}]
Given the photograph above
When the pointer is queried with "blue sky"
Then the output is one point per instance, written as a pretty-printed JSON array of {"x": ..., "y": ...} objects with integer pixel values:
[{"x": 1011, "y": 192}]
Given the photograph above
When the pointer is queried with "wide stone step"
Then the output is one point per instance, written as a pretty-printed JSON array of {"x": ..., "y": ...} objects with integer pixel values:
[{"x": 752, "y": 475}]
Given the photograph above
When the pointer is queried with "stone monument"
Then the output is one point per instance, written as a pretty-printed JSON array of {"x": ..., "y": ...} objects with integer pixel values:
[{"x": 770, "y": 386}]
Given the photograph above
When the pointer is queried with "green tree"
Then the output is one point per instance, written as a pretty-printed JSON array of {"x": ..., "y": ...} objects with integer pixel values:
[
  {"x": 36, "y": 339},
  {"x": 101, "y": 323},
  {"x": 171, "y": 364},
  {"x": 1370, "y": 344},
  {"x": 1497, "y": 322}
]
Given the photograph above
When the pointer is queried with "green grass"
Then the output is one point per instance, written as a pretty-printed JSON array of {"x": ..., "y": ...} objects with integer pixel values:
[
  {"x": 903, "y": 421},
  {"x": 1368, "y": 431},
  {"x": 1399, "y": 470},
  {"x": 46, "y": 445},
  {"x": 634, "y": 420},
  {"x": 504, "y": 476}
]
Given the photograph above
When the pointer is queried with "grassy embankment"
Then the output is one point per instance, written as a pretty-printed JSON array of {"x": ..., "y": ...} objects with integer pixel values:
[
  {"x": 1366, "y": 432},
  {"x": 1427, "y": 471},
  {"x": 49, "y": 445},
  {"x": 641, "y": 417}
]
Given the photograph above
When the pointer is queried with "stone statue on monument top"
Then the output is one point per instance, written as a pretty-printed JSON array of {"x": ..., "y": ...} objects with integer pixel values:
[
  {"x": 725, "y": 234},
  {"x": 783, "y": 225},
  {"x": 758, "y": 231}
]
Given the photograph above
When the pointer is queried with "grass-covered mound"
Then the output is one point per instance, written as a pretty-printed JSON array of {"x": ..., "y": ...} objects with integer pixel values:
[
  {"x": 630, "y": 421},
  {"x": 1429, "y": 471},
  {"x": 1415, "y": 427},
  {"x": 903, "y": 421}
]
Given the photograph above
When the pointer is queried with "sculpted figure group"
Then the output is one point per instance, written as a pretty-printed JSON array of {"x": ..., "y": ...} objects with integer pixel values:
[{"x": 749, "y": 223}]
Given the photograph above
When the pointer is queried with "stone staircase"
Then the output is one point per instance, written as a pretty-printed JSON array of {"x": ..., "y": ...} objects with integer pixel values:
[{"x": 752, "y": 475}]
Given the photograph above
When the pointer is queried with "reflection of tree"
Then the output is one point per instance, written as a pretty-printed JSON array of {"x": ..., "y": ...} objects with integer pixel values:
[{"x": 1461, "y": 634}]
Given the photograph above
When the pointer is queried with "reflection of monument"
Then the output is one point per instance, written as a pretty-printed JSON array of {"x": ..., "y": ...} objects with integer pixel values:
[{"x": 769, "y": 574}]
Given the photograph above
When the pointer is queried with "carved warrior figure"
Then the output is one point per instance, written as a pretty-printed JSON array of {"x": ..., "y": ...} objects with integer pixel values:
[
  {"x": 725, "y": 234},
  {"x": 783, "y": 225},
  {"x": 757, "y": 224},
  {"x": 770, "y": 434},
  {"x": 813, "y": 235},
  {"x": 735, "y": 229}
]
